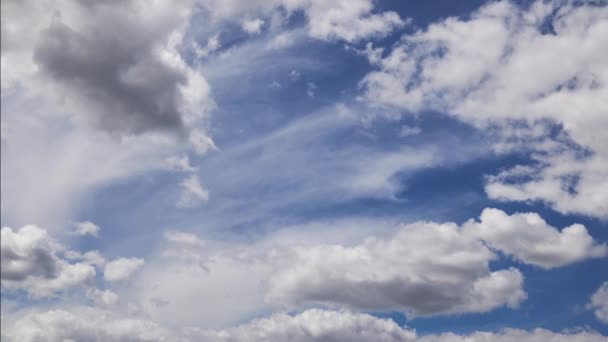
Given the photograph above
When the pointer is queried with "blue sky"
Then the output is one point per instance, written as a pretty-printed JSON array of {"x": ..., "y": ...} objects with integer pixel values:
[{"x": 232, "y": 170}]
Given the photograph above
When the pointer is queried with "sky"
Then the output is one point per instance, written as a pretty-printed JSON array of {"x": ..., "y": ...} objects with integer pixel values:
[{"x": 304, "y": 170}]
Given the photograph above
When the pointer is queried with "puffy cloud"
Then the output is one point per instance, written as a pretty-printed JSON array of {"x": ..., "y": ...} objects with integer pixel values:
[
  {"x": 529, "y": 239},
  {"x": 497, "y": 67},
  {"x": 102, "y": 298},
  {"x": 348, "y": 20},
  {"x": 94, "y": 324},
  {"x": 122, "y": 268},
  {"x": 116, "y": 65},
  {"x": 86, "y": 228},
  {"x": 424, "y": 269},
  {"x": 82, "y": 324},
  {"x": 30, "y": 262},
  {"x": 313, "y": 325},
  {"x": 599, "y": 303},
  {"x": 192, "y": 193}
]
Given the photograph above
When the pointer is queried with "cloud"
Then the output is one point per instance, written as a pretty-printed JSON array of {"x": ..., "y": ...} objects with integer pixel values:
[
  {"x": 313, "y": 325},
  {"x": 82, "y": 324},
  {"x": 349, "y": 20},
  {"x": 119, "y": 68},
  {"x": 213, "y": 43},
  {"x": 93, "y": 324},
  {"x": 122, "y": 269},
  {"x": 252, "y": 26},
  {"x": 599, "y": 303},
  {"x": 31, "y": 262},
  {"x": 102, "y": 298},
  {"x": 424, "y": 269},
  {"x": 517, "y": 335},
  {"x": 529, "y": 239},
  {"x": 497, "y": 68},
  {"x": 192, "y": 193},
  {"x": 86, "y": 228}
]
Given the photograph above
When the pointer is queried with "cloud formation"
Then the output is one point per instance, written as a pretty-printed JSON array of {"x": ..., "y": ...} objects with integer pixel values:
[
  {"x": 116, "y": 66},
  {"x": 31, "y": 262},
  {"x": 599, "y": 303},
  {"x": 498, "y": 68}
]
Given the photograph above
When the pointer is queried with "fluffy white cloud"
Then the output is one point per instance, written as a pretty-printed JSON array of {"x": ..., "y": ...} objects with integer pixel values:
[
  {"x": 91, "y": 324},
  {"x": 424, "y": 269},
  {"x": 82, "y": 324},
  {"x": 102, "y": 298},
  {"x": 122, "y": 268},
  {"x": 313, "y": 325},
  {"x": 498, "y": 67},
  {"x": 599, "y": 303},
  {"x": 31, "y": 262},
  {"x": 192, "y": 193},
  {"x": 421, "y": 269},
  {"x": 86, "y": 228},
  {"x": 529, "y": 239}
]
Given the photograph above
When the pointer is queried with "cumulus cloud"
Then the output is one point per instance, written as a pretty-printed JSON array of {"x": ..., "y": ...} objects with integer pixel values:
[
  {"x": 497, "y": 67},
  {"x": 31, "y": 261},
  {"x": 425, "y": 269},
  {"x": 102, "y": 298},
  {"x": 86, "y": 228},
  {"x": 82, "y": 324},
  {"x": 313, "y": 325},
  {"x": 529, "y": 239},
  {"x": 116, "y": 66},
  {"x": 122, "y": 269},
  {"x": 599, "y": 303},
  {"x": 92, "y": 324}
]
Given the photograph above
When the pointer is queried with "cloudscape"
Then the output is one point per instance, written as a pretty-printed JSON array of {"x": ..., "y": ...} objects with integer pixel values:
[{"x": 304, "y": 170}]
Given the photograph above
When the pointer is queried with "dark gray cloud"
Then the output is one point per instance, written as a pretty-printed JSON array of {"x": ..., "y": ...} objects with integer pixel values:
[
  {"x": 105, "y": 72},
  {"x": 116, "y": 64}
]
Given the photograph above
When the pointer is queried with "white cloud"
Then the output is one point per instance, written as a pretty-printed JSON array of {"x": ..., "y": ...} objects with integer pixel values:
[
  {"x": 599, "y": 303},
  {"x": 102, "y": 298},
  {"x": 313, "y": 325},
  {"x": 122, "y": 268},
  {"x": 82, "y": 324},
  {"x": 192, "y": 193},
  {"x": 421, "y": 269},
  {"x": 94, "y": 324},
  {"x": 349, "y": 20},
  {"x": 424, "y": 269},
  {"x": 252, "y": 26},
  {"x": 86, "y": 228},
  {"x": 498, "y": 67},
  {"x": 31, "y": 262},
  {"x": 528, "y": 238}
]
